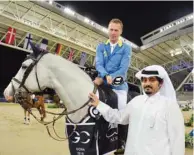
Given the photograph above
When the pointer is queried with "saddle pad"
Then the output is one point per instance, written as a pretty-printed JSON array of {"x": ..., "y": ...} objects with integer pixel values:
[{"x": 89, "y": 139}]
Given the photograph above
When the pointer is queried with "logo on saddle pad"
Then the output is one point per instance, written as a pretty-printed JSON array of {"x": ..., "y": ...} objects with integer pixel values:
[
  {"x": 79, "y": 135},
  {"x": 112, "y": 130}
]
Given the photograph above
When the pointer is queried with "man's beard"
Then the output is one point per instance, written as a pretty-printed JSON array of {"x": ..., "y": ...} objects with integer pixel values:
[{"x": 148, "y": 93}]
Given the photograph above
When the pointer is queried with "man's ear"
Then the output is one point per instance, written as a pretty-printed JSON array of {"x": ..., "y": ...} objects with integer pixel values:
[
  {"x": 121, "y": 32},
  {"x": 160, "y": 84}
]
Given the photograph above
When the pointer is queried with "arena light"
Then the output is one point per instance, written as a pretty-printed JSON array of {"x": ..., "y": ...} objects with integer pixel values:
[
  {"x": 134, "y": 46},
  {"x": 129, "y": 43},
  {"x": 172, "y": 53},
  {"x": 92, "y": 23},
  {"x": 171, "y": 25},
  {"x": 50, "y": 2},
  {"x": 179, "y": 52},
  {"x": 190, "y": 17},
  {"x": 177, "y": 22},
  {"x": 86, "y": 20},
  {"x": 105, "y": 30},
  {"x": 181, "y": 21},
  {"x": 69, "y": 11}
]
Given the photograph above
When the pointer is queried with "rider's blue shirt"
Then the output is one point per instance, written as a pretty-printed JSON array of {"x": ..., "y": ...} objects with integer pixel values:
[{"x": 114, "y": 64}]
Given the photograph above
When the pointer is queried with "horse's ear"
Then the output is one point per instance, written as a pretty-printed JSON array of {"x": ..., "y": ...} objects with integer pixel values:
[{"x": 35, "y": 49}]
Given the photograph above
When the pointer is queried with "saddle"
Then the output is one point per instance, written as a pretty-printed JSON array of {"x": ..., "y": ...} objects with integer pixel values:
[{"x": 108, "y": 96}]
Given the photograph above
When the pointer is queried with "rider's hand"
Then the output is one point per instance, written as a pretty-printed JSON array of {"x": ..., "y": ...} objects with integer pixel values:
[
  {"x": 95, "y": 101},
  {"x": 98, "y": 81},
  {"x": 109, "y": 79}
]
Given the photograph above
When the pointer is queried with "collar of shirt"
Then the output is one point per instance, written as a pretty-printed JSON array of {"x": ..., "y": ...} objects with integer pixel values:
[
  {"x": 120, "y": 42},
  {"x": 152, "y": 97},
  {"x": 112, "y": 46}
]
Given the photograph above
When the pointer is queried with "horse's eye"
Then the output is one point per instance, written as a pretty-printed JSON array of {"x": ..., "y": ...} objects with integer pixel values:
[{"x": 24, "y": 66}]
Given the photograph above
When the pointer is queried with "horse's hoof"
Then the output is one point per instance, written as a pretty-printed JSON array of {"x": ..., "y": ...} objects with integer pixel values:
[{"x": 41, "y": 119}]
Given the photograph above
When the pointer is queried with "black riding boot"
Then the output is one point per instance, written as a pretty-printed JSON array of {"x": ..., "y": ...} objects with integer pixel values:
[{"x": 122, "y": 137}]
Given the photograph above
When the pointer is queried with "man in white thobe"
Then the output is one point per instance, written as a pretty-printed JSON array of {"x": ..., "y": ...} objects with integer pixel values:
[{"x": 156, "y": 124}]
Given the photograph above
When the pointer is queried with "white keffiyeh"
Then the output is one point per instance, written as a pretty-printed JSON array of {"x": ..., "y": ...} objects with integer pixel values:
[{"x": 167, "y": 88}]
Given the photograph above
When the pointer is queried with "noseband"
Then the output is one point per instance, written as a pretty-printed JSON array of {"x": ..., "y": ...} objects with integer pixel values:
[{"x": 18, "y": 94}]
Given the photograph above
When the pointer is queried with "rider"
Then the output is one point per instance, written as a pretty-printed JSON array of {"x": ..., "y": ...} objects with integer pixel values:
[
  {"x": 112, "y": 60},
  {"x": 33, "y": 98}
]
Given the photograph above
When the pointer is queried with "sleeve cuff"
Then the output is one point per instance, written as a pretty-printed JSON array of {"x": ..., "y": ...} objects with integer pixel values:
[
  {"x": 112, "y": 75},
  {"x": 102, "y": 108}
]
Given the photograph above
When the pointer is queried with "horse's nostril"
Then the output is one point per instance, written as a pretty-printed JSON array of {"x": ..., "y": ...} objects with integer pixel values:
[{"x": 9, "y": 98}]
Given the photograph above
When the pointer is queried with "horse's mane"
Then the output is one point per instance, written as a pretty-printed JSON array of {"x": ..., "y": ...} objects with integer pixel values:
[{"x": 59, "y": 61}]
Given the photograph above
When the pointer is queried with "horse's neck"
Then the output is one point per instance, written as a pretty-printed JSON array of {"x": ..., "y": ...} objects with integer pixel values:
[{"x": 72, "y": 85}]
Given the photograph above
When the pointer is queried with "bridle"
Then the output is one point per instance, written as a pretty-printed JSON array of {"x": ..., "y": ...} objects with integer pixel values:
[{"x": 21, "y": 99}]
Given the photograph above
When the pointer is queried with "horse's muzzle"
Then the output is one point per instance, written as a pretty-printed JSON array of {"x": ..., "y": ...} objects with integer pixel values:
[{"x": 9, "y": 98}]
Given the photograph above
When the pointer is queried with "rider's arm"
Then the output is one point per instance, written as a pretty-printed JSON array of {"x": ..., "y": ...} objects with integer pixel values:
[
  {"x": 100, "y": 61},
  {"x": 124, "y": 65}
]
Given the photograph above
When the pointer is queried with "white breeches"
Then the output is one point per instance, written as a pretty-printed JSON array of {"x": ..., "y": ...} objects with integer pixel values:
[{"x": 122, "y": 98}]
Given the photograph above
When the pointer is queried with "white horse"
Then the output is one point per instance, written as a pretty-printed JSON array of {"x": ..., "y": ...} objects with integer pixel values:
[
  {"x": 41, "y": 71},
  {"x": 71, "y": 83}
]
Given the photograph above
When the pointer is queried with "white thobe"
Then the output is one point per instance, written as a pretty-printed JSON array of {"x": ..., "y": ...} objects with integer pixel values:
[{"x": 156, "y": 125}]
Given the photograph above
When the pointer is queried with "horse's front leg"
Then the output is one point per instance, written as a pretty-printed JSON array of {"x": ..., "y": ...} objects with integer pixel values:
[
  {"x": 26, "y": 118},
  {"x": 43, "y": 111},
  {"x": 41, "y": 115}
]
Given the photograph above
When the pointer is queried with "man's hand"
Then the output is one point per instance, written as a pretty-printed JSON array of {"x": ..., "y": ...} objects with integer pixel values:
[
  {"x": 109, "y": 79},
  {"x": 95, "y": 101},
  {"x": 98, "y": 81}
]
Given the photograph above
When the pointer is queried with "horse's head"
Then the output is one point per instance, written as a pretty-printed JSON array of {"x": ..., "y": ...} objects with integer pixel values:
[{"x": 30, "y": 77}]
